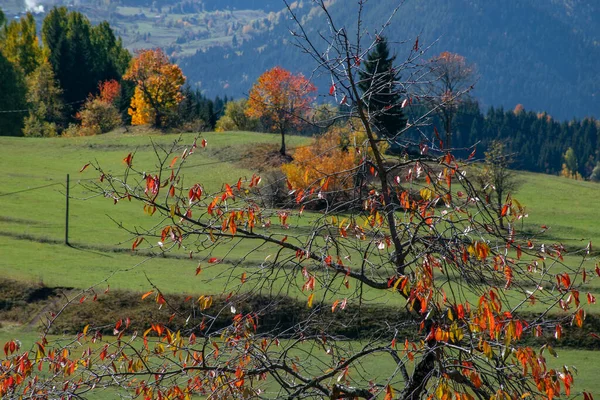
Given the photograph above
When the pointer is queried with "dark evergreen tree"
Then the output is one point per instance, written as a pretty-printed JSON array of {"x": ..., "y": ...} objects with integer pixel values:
[
  {"x": 12, "y": 98},
  {"x": 81, "y": 55},
  {"x": 381, "y": 92}
]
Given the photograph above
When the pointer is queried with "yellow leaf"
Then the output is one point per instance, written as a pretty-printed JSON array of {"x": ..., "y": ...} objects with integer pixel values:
[
  {"x": 310, "y": 300},
  {"x": 426, "y": 194}
]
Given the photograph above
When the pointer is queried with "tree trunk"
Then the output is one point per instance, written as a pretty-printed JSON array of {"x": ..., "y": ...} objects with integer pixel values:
[
  {"x": 418, "y": 382},
  {"x": 157, "y": 119},
  {"x": 448, "y": 129},
  {"x": 282, "y": 149}
]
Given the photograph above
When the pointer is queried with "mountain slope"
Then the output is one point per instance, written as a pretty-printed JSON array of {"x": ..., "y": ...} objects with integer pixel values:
[{"x": 543, "y": 54}]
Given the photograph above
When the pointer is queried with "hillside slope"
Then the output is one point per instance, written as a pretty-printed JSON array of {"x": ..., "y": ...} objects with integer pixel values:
[{"x": 542, "y": 54}]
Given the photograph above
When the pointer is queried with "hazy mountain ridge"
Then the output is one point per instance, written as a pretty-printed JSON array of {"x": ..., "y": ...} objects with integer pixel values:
[{"x": 542, "y": 54}]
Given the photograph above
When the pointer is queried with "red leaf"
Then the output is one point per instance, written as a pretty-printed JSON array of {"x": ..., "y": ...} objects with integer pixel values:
[
  {"x": 137, "y": 242},
  {"x": 213, "y": 260},
  {"x": 416, "y": 46},
  {"x": 84, "y": 167},
  {"x": 472, "y": 154},
  {"x": 203, "y": 143},
  {"x": 332, "y": 89},
  {"x": 437, "y": 135},
  {"x": 128, "y": 160}
]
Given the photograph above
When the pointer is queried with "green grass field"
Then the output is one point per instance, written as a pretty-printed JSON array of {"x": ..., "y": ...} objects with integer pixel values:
[{"x": 32, "y": 220}]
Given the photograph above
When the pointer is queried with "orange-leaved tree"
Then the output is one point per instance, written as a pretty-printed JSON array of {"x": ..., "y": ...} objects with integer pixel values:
[
  {"x": 158, "y": 87},
  {"x": 282, "y": 99}
]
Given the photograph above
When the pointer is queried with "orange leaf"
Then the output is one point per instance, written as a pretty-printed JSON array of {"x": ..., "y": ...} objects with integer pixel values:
[
  {"x": 389, "y": 393},
  {"x": 228, "y": 190},
  {"x": 173, "y": 162},
  {"x": 147, "y": 294},
  {"x": 84, "y": 167},
  {"x": 334, "y": 306}
]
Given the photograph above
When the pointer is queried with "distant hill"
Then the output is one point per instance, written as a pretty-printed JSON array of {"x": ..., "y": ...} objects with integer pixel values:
[{"x": 544, "y": 54}]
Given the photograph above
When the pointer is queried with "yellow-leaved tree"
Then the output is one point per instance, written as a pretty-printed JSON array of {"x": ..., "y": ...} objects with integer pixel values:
[
  {"x": 158, "y": 88},
  {"x": 333, "y": 164}
]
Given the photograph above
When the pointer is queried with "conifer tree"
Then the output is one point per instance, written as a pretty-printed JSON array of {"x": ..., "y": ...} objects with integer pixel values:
[
  {"x": 12, "y": 97},
  {"x": 380, "y": 90}
]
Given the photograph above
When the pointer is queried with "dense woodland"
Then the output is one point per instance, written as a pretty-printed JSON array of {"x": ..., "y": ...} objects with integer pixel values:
[{"x": 537, "y": 140}]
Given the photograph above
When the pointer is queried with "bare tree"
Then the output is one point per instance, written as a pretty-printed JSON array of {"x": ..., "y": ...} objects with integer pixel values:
[
  {"x": 450, "y": 79},
  {"x": 425, "y": 257},
  {"x": 497, "y": 180}
]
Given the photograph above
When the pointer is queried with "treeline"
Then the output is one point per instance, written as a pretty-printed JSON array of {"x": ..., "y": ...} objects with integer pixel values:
[
  {"x": 47, "y": 83},
  {"x": 539, "y": 142},
  {"x": 209, "y": 5},
  {"x": 71, "y": 82}
]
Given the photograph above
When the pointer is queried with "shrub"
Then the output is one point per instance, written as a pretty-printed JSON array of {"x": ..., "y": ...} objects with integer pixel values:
[
  {"x": 99, "y": 115},
  {"x": 235, "y": 118}
]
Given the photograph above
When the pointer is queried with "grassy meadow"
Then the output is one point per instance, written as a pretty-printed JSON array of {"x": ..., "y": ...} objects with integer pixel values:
[{"x": 32, "y": 219}]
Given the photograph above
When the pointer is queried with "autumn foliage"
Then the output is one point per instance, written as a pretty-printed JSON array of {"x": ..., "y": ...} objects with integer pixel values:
[
  {"x": 478, "y": 307},
  {"x": 282, "y": 99},
  {"x": 331, "y": 164},
  {"x": 99, "y": 113},
  {"x": 158, "y": 88},
  {"x": 327, "y": 165}
]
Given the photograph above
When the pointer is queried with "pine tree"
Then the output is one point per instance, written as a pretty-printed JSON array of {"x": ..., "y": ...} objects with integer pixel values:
[
  {"x": 380, "y": 91},
  {"x": 12, "y": 97}
]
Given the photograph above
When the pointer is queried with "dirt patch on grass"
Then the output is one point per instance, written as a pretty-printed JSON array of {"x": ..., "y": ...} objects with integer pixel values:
[{"x": 263, "y": 157}]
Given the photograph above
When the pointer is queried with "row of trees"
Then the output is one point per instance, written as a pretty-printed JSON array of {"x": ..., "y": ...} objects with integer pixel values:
[
  {"x": 544, "y": 144},
  {"x": 80, "y": 80},
  {"x": 540, "y": 140},
  {"x": 51, "y": 80}
]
